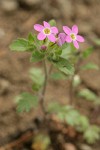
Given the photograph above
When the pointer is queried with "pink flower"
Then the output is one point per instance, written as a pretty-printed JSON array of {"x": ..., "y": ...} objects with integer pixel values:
[
  {"x": 46, "y": 31},
  {"x": 72, "y": 35},
  {"x": 61, "y": 39}
]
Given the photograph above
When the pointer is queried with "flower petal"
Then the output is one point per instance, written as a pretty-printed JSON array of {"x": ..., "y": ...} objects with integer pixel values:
[
  {"x": 54, "y": 30},
  {"x": 59, "y": 42},
  {"x": 61, "y": 38},
  {"x": 51, "y": 37},
  {"x": 80, "y": 38},
  {"x": 46, "y": 24},
  {"x": 38, "y": 27},
  {"x": 76, "y": 44},
  {"x": 67, "y": 30},
  {"x": 68, "y": 39},
  {"x": 75, "y": 29},
  {"x": 41, "y": 36}
]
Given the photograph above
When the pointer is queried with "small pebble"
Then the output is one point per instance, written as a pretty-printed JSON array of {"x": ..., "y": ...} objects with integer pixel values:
[
  {"x": 85, "y": 147},
  {"x": 9, "y": 5},
  {"x": 69, "y": 146}
]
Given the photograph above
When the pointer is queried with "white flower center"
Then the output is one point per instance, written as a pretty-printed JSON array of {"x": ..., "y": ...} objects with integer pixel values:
[
  {"x": 73, "y": 36},
  {"x": 47, "y": 31}
]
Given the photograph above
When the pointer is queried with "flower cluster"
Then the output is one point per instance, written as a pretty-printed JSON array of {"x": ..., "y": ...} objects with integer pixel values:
[{"x": 51, "y": 32}]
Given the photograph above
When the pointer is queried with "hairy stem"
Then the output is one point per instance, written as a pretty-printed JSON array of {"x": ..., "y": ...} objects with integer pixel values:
[
  {"x": 47, "y": 73},
  {"x": 72, "y": 89},
  {"x": 71, "y": 92}
]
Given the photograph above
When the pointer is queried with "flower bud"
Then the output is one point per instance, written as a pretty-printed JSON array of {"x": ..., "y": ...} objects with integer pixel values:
[{"x": 43, "y": 47}]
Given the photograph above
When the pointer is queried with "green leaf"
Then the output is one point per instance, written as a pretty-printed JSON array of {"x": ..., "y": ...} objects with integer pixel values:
[
  {"x": 72, "y": 117},
  {"x": 65, "y": 66},
  {"x": 58, "y": 76},
  {"x": 87, "y": 52},
  {"x": 87, "y": 94},
  {"x": 30, "y": 38},
  {"x": 92, "y": 134},
  {"x": 52, "y": 22},
  {"x": 83, "y": 123},
  {"x": 26, "y": 101},
  {"x": 33, "y": 39},
  {"x": 54, "y": 107},
  {"x": 97, "y": 101},
  {"x": 90, "y": 66},
  {"x": 37, "y": 77},
  {"x": 19, "y": 45},
  {"x": 97, "y": 41},
  {"x": 36, "y": 87},
  {"x": 67, "y": 51},
  {"x": 37, "y": 56}
]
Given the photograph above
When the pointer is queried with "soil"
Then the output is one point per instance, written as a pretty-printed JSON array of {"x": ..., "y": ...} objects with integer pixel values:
[{"x": 17, "y": 130}]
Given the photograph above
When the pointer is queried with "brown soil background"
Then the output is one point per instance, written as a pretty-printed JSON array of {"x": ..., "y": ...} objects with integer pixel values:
[{"x": 18, "y": 21}]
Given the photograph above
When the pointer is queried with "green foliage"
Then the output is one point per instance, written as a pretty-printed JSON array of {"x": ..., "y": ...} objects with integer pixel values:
[
  {"x": 52, "y": 22},
  {"x": 26, "y": 101},
  {"x": 87, "y": 52},
  {"x": 83, "y": 123},
  {"x": 58, "y": 76},
  {"x": 68, "y": 52},
  {"x": 97, "y": 42},
  {"x": 87, "y": 94},
  {"x": 37, "y": 56},
  {"x": 29, "y": 44},
  {"x": 19, "y": 45},
  {"x": 90, "y": 66},
  {"x": 73, "y": 118},
  {"x": 64, "y": 59},
  {"x": 31, "y": 38},
  {"x": 69, "y": 115},
  {"x": 37, "y": 77},
  {"x": 92, "y": 134},
  {"x": 65, "y": 66},
  {"x": 54, "y": 107},
  {"x": 22, "y": 44}
]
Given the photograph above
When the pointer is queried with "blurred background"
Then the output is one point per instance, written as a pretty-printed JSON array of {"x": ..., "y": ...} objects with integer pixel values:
[{"x": 17, "y": 18}]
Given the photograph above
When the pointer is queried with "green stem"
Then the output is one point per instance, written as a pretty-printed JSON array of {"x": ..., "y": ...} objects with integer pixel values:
[
  {"x": 71, "y": 92},
  {"x": 47, "y": 73}
]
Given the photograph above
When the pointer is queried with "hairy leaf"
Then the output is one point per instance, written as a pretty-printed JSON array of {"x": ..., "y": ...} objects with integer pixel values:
[
  {"x": 97, "y": 41},
  {"x": 87, "y": 94},
  {"x": 65, "y": 66},
  {"x": 58, "y": 76},
  {"x": 92, "y": 134},
  {"x": 37, "y": 56},
  {"x": 26, "y": 101},
  {"x": 90, "y": 66},
  {"x": 19, "y": 45},
  {"x": 87, "y": 52},
  {"x": 31, "y": 38},
  {"x": 52, "y": 22}
]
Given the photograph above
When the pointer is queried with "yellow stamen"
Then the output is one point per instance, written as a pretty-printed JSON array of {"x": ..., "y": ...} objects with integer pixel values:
[
  {"x": 73, "y": 36},
  {"x": 47, "y": 31}
]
